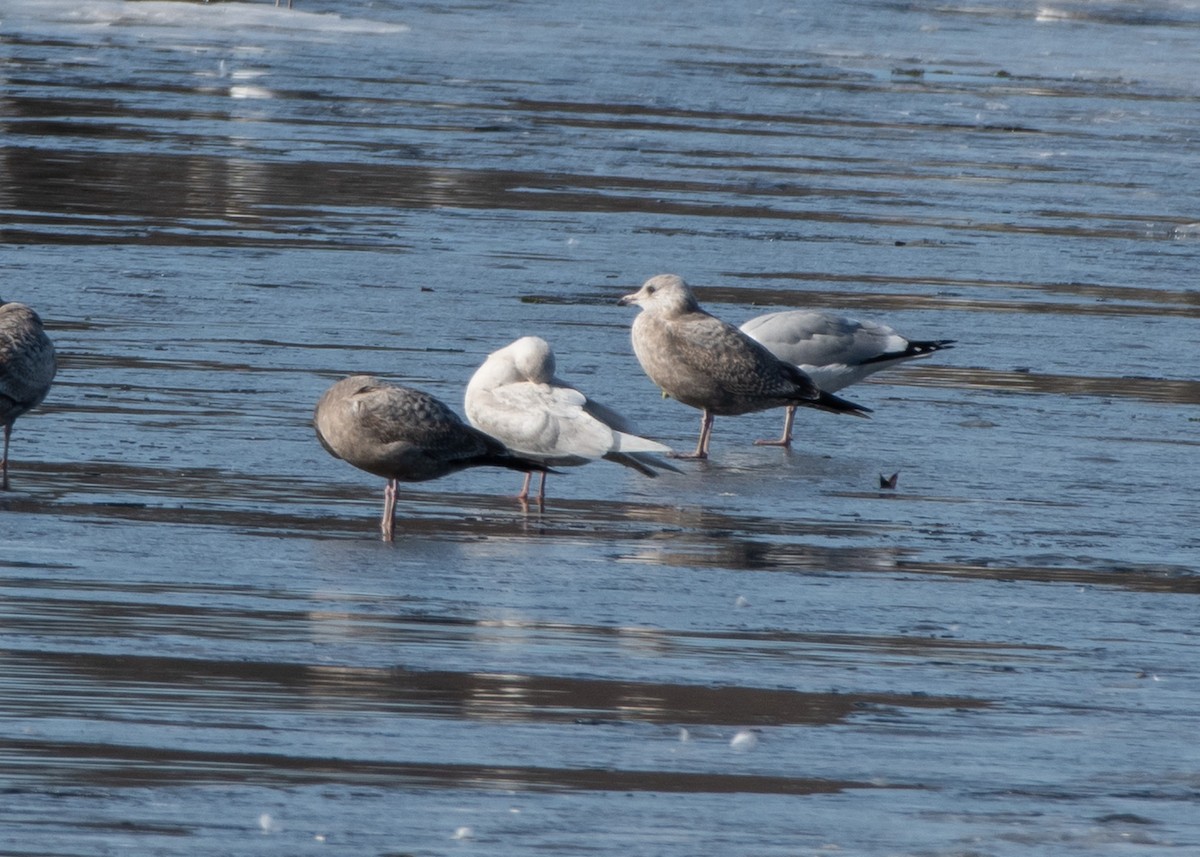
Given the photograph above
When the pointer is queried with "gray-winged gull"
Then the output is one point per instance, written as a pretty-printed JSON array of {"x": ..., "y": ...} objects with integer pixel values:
[
  {"x": 515, "y": 397},
  {"x": 833, "y": 350},
  {"x": 27, "y": 368},
  {"x": 711, "y": 365},
  {"x": 403, "y": 435}
]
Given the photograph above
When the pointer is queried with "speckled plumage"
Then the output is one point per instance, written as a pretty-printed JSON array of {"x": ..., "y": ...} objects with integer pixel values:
[
  {"x": 27, "y": 368},
  {"x": 515, "y": 397},
  {"x": 709, "y": 364},
  {"x": 403, "y": 435},
  {"x": 833, "y": 350}
]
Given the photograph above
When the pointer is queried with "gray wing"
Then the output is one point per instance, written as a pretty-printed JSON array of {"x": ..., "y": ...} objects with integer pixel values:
[
  {"x": 547, "y": 420},
  {"x": 810, "y": 338}
]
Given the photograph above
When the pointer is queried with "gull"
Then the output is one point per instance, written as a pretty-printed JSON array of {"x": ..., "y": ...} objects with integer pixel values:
[
  {"x": 27, "y": 367},
  {"x": 515, "y": 397},
  {"x": 833, "y": 350},
  {"x": 403, "y": 435},
  {"x": 711, "y": 365}
]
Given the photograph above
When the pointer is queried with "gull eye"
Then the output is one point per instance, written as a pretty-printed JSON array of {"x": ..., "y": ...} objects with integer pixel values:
[{"x": 649, "y": 290}]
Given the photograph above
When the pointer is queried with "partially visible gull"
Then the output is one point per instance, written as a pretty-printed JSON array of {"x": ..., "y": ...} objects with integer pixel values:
[
  {"x": 515, "y": 397},
  {"x": 833, "y": 350},
  {"x": 27, "y": 367},
  {"x": 711, "y": 365},
  {"x": 403, "y": 435}
]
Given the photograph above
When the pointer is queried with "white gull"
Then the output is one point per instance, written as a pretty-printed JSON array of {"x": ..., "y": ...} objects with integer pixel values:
[{"x": 516, "y": 397}]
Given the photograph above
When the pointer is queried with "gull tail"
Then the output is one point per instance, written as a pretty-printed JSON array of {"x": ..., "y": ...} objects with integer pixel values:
[
  {"x": 639, "y": 453},
  {"x": 519, "y": 462},
  {"x": 513, "y": 461},
  {"x": 625, "y": 442},
  {"x": 837, "y": 405},
  {"x": 645, "y": 463}
]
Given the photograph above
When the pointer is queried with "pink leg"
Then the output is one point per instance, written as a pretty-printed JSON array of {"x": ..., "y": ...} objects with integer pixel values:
[
  {"x": 388, "y": 524},
  {"x": 701, "y": 452},
  {"x": 524, "y": 495},
  {"x": 542, "y": 490},
  {"x": 786, "y": 440}
]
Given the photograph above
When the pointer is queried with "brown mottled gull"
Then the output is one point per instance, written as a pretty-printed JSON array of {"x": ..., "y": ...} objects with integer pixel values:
[
  {"x": 711, "y": 365},
  {"x": 27, "y": 367},
  {"x": 515, "y": 397},
  {"x": 833, "y": 350},
  {"x": 403, "y": 435}
]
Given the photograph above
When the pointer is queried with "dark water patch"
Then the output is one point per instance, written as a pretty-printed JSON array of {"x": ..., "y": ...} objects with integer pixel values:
[
  {"x": 126, "y": 687},
  {"x": 180, "y": 509},
  {"x": 710, "y": 121},
  {"x": 802, "y": 167},
  {"x": 1171, "y": 15},
  {"x": 944, "y": 77},
  {"x": 1091, "y": 291},
  {"x": 1144, "y": 577},
  {"x": 116, "y": 765},
  {"x": 658, "y": 120},
  {"x": 130, "y": 610},
  {"x": 171, "y": 193},
  {"x": 59, "y": 485},
  {"x": 39, "y": 565},
  {"x": 1159, "y": 390},
  {"x": 697, "y": 550},
  {"x": 725, "y": 550},
  {"x": 110, "y": 360}
]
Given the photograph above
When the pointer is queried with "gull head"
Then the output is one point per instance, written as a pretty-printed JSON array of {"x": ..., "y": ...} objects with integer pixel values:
[
  {"x": 667, "y": 294},
  {"x": 533, "y": 358}
]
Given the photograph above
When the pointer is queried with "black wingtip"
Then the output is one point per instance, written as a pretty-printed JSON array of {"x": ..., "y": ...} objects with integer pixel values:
[
  {"x": 913, "y": 349},
  {"x": 838, "y": 405},
  {"x": 929, "y": 346}
]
